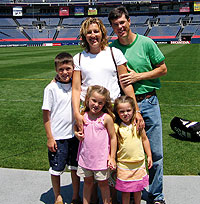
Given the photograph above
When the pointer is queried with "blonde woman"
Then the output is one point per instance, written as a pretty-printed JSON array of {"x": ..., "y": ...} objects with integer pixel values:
[{"x": 98, "y": 65}]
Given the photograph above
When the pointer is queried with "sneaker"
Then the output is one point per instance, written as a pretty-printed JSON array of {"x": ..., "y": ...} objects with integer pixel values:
[{"x": 159, "y": 202}]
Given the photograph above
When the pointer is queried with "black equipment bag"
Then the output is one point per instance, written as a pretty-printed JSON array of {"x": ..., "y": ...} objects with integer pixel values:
[{"x": 185, "y": 128}]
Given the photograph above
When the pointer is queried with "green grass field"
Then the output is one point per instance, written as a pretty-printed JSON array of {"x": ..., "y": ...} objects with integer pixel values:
[{"x": 25, "y": 71}]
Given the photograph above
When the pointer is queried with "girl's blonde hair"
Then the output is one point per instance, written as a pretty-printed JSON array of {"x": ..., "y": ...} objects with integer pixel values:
[
  {"x": 84, "y": 29},
  {"x": 118, "y": 120},
  {"x": 102, "y": 91}
]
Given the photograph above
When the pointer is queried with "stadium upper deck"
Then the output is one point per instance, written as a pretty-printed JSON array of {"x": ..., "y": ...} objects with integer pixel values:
[{"x": 41, "y": 21}]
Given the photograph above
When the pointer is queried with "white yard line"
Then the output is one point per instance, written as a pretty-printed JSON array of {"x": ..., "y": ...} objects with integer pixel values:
[{"x": 39, "y": 101}]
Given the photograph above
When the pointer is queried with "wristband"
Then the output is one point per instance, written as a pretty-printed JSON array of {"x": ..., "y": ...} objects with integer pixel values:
[{"x": 137, "y": 111}]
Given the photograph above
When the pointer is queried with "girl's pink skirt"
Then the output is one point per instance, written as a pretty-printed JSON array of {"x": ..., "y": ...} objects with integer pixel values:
[{"x": 131, "y": 177}]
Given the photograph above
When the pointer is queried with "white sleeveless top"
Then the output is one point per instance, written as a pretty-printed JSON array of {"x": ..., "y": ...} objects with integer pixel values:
[{"x": 99, "y": 69}]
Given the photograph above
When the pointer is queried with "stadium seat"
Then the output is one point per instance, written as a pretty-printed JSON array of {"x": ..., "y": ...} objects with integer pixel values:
[
  {"x": 169, "y": 19},
  {"x": 11, "y": 34},
  {"x": 7, "y": 22},
  {"x": 138, "y": 19},
  {"x": 164, "y": 31},
  {"x": 36, "y": 34}
]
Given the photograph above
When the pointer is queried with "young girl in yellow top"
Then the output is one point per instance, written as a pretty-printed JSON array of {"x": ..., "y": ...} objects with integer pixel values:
[{"x": 131, "y": 171}]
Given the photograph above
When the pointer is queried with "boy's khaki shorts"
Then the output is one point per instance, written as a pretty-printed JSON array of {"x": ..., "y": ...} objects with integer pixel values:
[{"x": 99, "y": 175}]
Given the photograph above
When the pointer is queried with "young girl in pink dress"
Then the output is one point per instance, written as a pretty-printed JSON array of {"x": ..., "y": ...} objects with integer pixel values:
[
  {"x": 98, "y": 144},
  {"x": 131, "y": 171}
]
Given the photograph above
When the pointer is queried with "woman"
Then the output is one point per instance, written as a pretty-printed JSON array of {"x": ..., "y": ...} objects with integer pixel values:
[{"x": 96, "y": 66}]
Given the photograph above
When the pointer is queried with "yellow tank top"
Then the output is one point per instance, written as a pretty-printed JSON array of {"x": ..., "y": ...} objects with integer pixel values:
[{"x": 130, "y": 147}]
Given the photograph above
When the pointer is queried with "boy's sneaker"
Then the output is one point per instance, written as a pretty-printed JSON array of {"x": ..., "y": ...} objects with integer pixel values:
[{"x": 159, "y": 202}]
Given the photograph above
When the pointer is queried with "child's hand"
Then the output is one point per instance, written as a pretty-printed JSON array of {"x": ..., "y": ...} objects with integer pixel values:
[
  {"x": 52, "y": 145},
  {"x": 150, "y": 162},
  {"x": 112, "y": 163},
  {"x": 79, "y": 135}
]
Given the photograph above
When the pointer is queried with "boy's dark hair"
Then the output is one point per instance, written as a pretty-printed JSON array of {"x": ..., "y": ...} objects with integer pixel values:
[
  {"x": 63, "y": 58},
  {"x": 117, "y": 13}
]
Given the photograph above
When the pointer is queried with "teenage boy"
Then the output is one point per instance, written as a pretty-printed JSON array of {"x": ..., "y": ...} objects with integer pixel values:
[
  {"x": 146, "y": 64},
  {"x": 58, "y": 122}
]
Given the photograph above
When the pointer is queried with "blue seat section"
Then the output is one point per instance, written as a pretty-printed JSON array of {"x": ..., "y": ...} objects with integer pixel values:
[
  {"x": 7, "y": 22},
  {"x": 167, "y": 26},
  {"x": 109, "y": 1},
  {"x": 54, "y": 1},
  {"x": 26, "y": 21},
  {"x": 11, "y": 34},
  {"x": 50, "y": 21},
  {"x": 138, "y": 19},
  {"x": 35, "y": 33},
  {"x": 32, "y": 1},
  {"x": 83, "y": 1},
  {"x": 197, "y": 31},
  {"x": 191, "y": 29},
  {"x": 6, "y": 1},
  {"x": 139, "y": 29},
  {"x": 109, "y": 30},
  {"x": 169, "y": 18},
  {"x": 104, "y": 20},
  {"x": 69, "y": 33},
  {"x": 164, "y": 31},
  {"x": 72, "y": 21},
  {"x": 195, "y": 17}
]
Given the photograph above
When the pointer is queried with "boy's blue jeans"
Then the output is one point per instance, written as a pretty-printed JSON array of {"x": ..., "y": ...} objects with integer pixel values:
[{"x": 150, "y": 111}]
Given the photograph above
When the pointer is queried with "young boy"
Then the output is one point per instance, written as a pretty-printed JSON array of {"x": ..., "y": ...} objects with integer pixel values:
[{"x": 59, "y": 121}]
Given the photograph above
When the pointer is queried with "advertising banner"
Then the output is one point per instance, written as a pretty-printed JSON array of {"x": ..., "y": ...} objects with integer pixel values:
[
  {"x": 196, "y": 6},
  {"x": 64, "y": 11},
  {"x": 180, "y": 42},
  {"x": 79, "y": 11},
  {"x": 184, "y": 9},
  {"x": 92, "y": 11},
  {"x": 17, "y": 11}
]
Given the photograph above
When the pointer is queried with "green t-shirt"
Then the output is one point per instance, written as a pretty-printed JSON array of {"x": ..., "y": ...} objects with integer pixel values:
[{"x": 142, "y": 55}]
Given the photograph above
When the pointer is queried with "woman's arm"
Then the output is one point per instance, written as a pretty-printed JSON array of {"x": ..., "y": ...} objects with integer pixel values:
[
  {"x": 147, "y": 148},
  {"x": 129, "y": 91},
  {"x": 109, "y": 124},
  {"x": 76, "y": 91}
]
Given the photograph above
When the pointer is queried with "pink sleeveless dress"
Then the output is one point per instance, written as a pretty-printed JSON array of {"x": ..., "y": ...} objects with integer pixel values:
[{"x": 94, "y": 150}]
